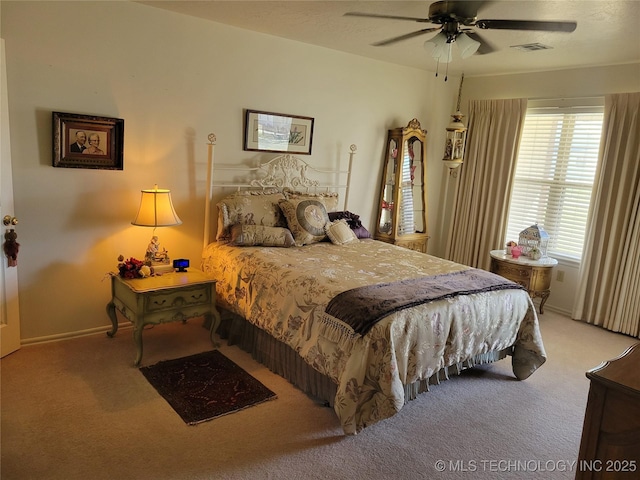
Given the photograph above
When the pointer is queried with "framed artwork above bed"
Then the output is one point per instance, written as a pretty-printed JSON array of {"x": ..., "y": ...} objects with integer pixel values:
[{"x": 277, "y": 132}]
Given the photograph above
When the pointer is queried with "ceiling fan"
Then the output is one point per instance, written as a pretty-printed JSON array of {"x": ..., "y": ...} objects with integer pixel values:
[{"x": 456, "y": 20}]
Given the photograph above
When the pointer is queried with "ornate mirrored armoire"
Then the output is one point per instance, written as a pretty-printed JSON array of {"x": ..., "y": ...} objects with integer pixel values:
[{"x": 402, "y": 206}]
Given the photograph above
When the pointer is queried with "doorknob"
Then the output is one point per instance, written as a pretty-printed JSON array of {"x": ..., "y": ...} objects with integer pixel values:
[{"x": 9, "y": 220}]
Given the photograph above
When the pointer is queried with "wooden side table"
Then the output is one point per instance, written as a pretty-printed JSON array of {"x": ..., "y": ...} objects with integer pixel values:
[
  {"x": 534, "y": 275},
  {"x": 171, "y": 297},
  {"x": 610, "y": 445}
]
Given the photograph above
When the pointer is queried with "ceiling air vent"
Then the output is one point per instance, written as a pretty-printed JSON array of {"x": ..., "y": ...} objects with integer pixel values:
[{"x": 531, "y": 47}]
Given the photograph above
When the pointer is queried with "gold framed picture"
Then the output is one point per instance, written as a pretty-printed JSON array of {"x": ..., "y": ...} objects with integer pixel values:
[{"x": 87, "y": 141}]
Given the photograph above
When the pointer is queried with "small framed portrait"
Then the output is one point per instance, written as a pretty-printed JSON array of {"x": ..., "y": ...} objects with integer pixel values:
[
  {"x": 87, "y": 141},
  {"x": 277, "y": 132}
]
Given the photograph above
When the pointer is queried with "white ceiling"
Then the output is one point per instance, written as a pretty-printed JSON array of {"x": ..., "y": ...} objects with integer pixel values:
[{"x": 608, "y": 31}]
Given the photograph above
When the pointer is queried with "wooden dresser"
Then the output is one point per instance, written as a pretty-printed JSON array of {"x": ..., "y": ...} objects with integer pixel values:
[
  {"x": 610, "y": 446},
  {"x": 534, "y": 275}
]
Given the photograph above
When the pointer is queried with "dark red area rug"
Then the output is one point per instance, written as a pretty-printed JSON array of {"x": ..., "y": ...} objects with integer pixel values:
[{"x": 204, "y": 386}]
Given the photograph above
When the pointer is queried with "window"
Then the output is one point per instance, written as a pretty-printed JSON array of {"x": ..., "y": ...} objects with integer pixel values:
[{"x": 554, "y": 176}]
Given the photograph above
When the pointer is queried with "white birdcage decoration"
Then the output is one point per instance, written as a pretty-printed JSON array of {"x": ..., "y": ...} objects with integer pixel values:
[{"x": 534, "y": 237}]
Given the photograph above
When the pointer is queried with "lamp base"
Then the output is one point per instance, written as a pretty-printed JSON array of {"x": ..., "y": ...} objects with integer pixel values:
[{"x": 162, "y": 267}]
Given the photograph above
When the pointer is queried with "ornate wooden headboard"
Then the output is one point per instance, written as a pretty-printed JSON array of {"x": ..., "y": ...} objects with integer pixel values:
[{"x": 281, "y": 172}]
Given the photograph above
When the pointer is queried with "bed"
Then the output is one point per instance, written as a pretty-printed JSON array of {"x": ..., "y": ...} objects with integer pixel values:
[{"x": 360, "y": 324}]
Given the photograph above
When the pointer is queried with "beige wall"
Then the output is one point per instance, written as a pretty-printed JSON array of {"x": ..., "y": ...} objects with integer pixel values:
[
  {"x": 587, "y": 82},
  {"x": 173, "y": 79},
  {"x": 579, "y": 82}
]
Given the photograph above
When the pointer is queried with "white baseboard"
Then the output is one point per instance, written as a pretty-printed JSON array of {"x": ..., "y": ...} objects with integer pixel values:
[{"x": 65, "y": 336}]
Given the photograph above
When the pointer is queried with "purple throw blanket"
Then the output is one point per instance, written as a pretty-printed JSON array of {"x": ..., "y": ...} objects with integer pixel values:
[{"x": 363, "y": 307}]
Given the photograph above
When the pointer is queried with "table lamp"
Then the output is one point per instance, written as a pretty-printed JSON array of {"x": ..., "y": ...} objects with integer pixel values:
[{"x": 156, "y": 210}]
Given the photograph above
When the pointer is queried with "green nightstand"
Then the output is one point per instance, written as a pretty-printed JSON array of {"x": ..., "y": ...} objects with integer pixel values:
[{"x": 171, "y": 297}]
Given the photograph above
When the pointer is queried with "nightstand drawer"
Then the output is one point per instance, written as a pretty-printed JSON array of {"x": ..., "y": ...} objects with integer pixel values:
[
  {"x": 513, "y": 272},
  {"x": 176, "y": 298}
]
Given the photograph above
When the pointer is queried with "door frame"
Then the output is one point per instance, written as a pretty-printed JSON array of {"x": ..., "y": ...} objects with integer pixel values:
[{"x": 9, "y": 301}]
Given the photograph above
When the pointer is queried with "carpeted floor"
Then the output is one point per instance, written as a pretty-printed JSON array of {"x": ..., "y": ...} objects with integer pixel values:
[
  {"x": 204, "y": 386},
  {"x": 78, "y": 409}
]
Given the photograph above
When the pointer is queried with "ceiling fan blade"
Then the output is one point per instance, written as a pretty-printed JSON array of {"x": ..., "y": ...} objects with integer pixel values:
[
  {"x": 406, "y": 36},
  {"x": 485, "y": 46},
  {"x": 392, "y": 17},
  {"x": 526, "y": 25}
]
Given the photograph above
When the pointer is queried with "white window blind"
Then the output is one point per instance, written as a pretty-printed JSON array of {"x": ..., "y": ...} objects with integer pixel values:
[
  {"x": 406, "y": 225},
  {"x": 554, "y": 176}
]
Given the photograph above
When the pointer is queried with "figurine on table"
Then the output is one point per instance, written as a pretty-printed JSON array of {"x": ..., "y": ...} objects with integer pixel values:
[{"x": 154, "y": 254}]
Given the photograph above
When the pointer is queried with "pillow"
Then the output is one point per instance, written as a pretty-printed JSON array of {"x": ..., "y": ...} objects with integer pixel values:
[
  {"x": 339, "y": 232},
  {"x": 361, "y": 232},
  {"x": 329, "y": 199},
  {"x": 258, "y": 235},
  {"x": 250, "y": 207},
  {"x": 306, "y": 219},
  {"x": 353, "y": 221}
]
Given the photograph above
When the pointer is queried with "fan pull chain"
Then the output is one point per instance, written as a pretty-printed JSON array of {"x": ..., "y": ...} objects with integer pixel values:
[{"x": 446, "y": 73}]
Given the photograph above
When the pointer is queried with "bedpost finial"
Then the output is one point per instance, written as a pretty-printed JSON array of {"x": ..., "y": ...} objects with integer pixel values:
[
  {"x": 212, "y": 138},
  {"x": 353, "y": 147}
]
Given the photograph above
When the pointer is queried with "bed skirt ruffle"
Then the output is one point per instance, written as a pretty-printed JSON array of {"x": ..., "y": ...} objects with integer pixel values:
[{"x": 281, "y": 359}]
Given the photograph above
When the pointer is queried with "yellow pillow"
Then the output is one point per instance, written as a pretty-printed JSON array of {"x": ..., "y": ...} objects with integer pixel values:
[
  {"x": 249, "y": 207},
  {"x": 257, "y": 235}
]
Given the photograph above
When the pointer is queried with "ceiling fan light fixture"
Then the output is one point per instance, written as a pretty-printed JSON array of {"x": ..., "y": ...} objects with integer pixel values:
[
  {"x": 445, "y": 55},
  {"x": 437, "y": 41},
  {"x": 439, "y": 47},
  {"x": 467, "y": 45}
]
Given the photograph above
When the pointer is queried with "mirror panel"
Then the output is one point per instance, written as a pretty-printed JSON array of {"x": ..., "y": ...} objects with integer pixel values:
[
  {"x": 411, "y": 193},
  {"x": 386, "y": 221}
]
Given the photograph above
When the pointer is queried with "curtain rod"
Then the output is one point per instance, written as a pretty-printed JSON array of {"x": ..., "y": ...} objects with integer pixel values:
[
  {"x": 555, "y": 99},
  {"x": 565, "y": 102}
]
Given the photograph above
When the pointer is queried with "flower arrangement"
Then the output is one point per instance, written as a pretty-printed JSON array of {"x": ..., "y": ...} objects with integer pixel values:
[{"x": 133, "y": 268}]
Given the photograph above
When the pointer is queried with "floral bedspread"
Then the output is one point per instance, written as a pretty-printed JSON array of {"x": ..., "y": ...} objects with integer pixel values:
[{"x": 285, "y": 292}]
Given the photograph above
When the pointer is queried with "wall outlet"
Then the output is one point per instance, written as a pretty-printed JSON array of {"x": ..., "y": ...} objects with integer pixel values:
[{"x": 560, "y": 276}]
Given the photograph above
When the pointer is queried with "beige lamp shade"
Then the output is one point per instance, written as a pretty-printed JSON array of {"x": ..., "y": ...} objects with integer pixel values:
[{"x": 156, "y": 209}]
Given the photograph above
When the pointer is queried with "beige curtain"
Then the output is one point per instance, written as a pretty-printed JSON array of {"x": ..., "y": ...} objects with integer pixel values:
[
  {"x": 609, "y": 286},
  {"x": 480, "y": 206}
]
